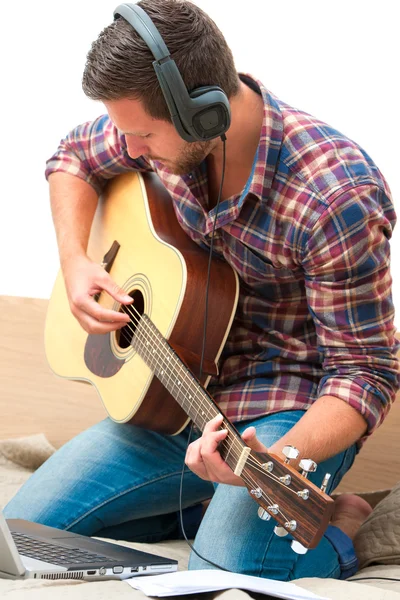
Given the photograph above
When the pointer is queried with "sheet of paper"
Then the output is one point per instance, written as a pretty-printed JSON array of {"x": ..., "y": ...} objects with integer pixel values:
[{"x": 190, "y": 582}]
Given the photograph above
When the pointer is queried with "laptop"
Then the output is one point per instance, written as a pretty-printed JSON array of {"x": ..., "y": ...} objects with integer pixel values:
[{"x": 33, "y": 551}]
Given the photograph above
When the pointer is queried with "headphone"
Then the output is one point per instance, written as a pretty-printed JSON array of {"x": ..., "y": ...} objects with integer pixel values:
[{"x": 202, "y": 115}]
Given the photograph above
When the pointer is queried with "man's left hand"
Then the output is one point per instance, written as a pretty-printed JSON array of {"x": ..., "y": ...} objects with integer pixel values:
[{"x": 204, "y": 459}]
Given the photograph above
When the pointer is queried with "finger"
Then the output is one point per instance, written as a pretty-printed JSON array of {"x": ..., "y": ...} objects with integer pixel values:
[
  {"x": 214, "y": 424},
  {"x": 249, "y": 436},
  {"x": 210, "y": 443},
  {"x": 93, "y": 326},
  {"x": 210, "y": 467},
  {"x": 193, "y": 451},
  {"x": 217, "y": 469},
  {"x": 105, "y": 315},
  {"x": 194, "y": 461},
  {"x": 115, "y": 291}
]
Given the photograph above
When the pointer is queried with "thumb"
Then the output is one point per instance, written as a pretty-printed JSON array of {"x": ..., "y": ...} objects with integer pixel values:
[{"x": 249, "y": 436}]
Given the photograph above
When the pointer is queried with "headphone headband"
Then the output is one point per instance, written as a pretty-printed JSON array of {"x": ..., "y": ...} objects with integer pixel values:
[{"x": 139, "y": 19}]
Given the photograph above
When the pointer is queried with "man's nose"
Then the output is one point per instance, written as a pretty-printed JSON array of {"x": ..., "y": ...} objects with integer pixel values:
[{"x": 136, "y": 147}]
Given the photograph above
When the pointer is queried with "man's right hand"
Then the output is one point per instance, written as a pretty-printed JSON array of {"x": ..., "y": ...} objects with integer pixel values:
[{"x": 83, "y": 280}]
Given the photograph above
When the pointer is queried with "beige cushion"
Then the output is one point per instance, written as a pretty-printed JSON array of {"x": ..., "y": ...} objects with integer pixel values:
[{"x": 378, "y": 539}]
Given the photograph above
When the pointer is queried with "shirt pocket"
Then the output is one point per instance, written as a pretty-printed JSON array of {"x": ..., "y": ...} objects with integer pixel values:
[{"x": 259, "y": 272}]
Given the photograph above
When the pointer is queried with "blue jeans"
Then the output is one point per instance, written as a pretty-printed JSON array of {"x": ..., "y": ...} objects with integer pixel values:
[{"x": 118, "y": 481}]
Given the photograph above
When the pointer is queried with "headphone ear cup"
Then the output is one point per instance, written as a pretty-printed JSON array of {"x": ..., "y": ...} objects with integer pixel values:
[{"x": 212, "y": 116}]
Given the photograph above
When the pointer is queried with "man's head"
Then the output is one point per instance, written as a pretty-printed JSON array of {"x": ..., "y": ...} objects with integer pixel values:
[{"x": 119, "y": 68}]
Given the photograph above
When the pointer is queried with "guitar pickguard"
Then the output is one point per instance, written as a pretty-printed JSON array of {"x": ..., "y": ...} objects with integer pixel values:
[{"x": 99, "y": 358}]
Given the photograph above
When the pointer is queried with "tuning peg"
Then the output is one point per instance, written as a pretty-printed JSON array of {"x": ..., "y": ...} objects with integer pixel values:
[
  {"x": 290, "y": 452},
  {"x": 263, "y": 514},
  {"x": 268, "y": 466},
  {"x": 286, "y": 479},
  {"x": 257, "y": 492},
  {"x": 325, "y": 482},
  {"x": 291, "y": 525},
  {"x": 304, "y": 494},
  {"x": 298, "y": 548},
  {"x": 308, "y": 466},
  {"x": 280, "y": 531}
]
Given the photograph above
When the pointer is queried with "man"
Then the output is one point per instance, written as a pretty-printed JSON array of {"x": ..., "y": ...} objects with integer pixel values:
[{"x": 305, "y": 218}]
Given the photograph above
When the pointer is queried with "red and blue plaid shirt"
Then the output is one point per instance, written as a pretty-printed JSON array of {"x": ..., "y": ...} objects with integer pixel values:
[{"x": 309, "y": 239}]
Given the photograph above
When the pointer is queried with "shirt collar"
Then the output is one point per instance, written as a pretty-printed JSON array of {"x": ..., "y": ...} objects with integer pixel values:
[
  {"x": 271, "y": 135},
  {"x": 265, "y": 161}
]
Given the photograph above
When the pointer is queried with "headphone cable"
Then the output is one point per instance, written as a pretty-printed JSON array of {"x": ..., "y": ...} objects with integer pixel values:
[{"x": 223, "y": 138}]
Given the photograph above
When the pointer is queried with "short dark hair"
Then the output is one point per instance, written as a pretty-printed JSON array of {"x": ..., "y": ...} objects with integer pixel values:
[{"x": 119, "y": 63}]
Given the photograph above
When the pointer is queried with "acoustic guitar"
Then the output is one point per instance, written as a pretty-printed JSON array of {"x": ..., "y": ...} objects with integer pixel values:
[{"x": 147, "y": 373}]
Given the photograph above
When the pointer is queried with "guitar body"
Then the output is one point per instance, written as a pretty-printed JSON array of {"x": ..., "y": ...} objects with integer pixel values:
[{"x": 166, "y": 273}]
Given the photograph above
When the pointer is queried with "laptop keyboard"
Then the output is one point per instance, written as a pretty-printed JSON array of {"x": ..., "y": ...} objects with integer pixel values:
[{"x": 51, "y": 553}]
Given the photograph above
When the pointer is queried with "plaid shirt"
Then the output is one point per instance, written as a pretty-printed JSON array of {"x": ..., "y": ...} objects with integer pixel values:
[{"x": 309, "y": 239}]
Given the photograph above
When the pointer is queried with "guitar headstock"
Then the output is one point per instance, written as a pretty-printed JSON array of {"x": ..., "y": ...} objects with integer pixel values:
[{"x": 300, "y": 507}]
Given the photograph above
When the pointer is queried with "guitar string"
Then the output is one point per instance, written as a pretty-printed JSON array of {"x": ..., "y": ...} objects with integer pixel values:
[
  {"x": 255, "y": 462},
  {"x": 186, "y": 373}
]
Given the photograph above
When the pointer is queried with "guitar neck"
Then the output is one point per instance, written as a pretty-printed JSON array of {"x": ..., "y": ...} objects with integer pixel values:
[{"x": 183, "y": 386}]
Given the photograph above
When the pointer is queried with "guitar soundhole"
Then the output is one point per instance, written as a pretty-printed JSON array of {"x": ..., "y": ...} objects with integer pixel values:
[{"x": 135, "y": 311}]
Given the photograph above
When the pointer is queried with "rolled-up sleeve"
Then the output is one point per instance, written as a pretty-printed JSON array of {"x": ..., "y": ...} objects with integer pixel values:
[
  {"x": 348, "y": 284},
  {"x": 96, "y": 152}
]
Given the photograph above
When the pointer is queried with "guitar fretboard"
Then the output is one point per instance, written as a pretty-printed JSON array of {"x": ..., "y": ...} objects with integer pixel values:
[{"x": 182, "y": 385}]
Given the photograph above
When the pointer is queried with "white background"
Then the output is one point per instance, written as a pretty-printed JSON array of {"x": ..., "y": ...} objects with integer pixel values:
[{"x": 336, "y": 60}]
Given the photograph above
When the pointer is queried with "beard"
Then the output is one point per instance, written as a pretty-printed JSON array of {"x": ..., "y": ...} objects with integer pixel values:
[{"x": 190, "y": 157}]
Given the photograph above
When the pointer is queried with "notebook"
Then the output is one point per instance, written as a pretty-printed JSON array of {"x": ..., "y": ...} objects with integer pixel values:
[{"x": 33, "y": 551}]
